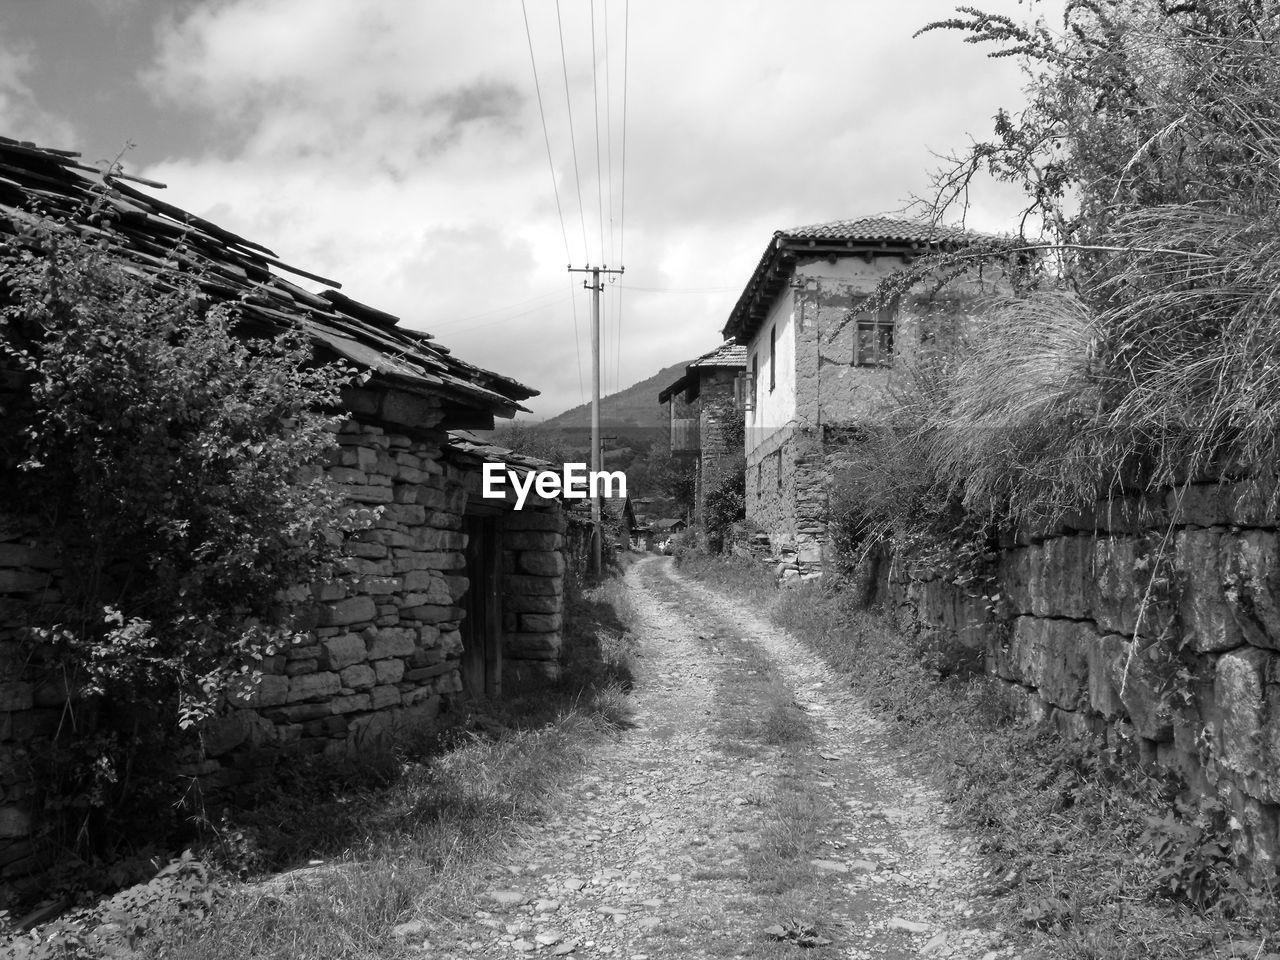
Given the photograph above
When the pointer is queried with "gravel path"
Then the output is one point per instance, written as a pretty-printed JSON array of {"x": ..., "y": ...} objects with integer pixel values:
[{"x": 676, "y": 843}]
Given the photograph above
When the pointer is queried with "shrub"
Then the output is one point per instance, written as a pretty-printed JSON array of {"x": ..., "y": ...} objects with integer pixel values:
[
  {"x": 176, "y": 464},
  {"x": 725, "y": 505}
]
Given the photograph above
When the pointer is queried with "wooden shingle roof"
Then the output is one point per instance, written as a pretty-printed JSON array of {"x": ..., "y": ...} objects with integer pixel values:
[{"x": 159, "y": 240}]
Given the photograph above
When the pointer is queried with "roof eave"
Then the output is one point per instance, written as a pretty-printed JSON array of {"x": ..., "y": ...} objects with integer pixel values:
[{"x": 778, "y": 263}]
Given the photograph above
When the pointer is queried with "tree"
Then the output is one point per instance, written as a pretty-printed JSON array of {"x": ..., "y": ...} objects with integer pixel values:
[
  {"x": 532, "y": 440},
  {"x": 177, "y": 466}
]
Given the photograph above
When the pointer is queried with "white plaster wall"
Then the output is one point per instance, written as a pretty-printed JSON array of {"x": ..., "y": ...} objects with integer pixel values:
[{"x": 775, "y": 410}]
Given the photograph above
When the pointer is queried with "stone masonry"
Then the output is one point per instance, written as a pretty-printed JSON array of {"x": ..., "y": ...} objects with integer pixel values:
[
  {"x": 719, "y": 432},
  {"x": 1155, "y": 624},
  {"x": 382, "y": 656}
]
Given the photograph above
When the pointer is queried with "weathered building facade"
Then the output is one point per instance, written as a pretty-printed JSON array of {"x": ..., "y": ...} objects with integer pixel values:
[
  {"x": 444, "y": 594},
  {"x": 818, "y": 361},
  {"x": 706, "y": 421}
]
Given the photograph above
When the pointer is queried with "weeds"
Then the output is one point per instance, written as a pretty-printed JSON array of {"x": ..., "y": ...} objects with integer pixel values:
[
  {"x": 403, "y": 834},
  {"x": 1086, "y": 855}
]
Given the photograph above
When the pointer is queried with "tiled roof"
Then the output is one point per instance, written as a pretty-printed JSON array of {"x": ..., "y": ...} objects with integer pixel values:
[
  {"x": 877, "y": 228},
  {"x": 157, "y": 239},
  {"x": 725, "y": 355},
  {"x": 860, "y": 236}
]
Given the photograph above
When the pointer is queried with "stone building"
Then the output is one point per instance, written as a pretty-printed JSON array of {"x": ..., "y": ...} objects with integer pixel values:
[
  {"x": 446, "y": 594},
  {"x": 817, "y": 364},
  {"x": 705, "y": 420}
]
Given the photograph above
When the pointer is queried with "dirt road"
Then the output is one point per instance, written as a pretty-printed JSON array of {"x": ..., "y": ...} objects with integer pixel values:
[{"x": 752, "y": 810}]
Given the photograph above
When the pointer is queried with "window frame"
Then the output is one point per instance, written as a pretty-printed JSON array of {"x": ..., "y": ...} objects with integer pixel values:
[
  {"x": 773, "y": 357},
  {"x": 882, "y": 327}
]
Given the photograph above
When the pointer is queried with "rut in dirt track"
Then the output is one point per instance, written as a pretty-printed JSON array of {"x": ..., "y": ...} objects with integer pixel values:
[{"x": 692, "y": 835}]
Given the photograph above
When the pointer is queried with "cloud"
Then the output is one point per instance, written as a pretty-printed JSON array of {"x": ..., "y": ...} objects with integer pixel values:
[
  {"x": 399, "y": 148},
  {"x": 21, "y": 116}
]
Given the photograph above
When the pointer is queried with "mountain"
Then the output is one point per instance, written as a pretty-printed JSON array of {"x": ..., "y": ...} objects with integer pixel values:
[
  {"x": 636, "y": 406},
  {"x": 633, "y": 426}
]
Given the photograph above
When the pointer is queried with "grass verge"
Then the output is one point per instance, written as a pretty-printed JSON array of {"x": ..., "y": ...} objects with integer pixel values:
[
  {"x": 759, "y": 719},
  {"x": 1085, "y": 858},
  {"x": 401, "y": 840}
]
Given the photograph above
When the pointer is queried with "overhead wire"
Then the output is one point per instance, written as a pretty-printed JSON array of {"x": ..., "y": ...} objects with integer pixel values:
[
  {"x": 595, "y": 100},
  {"x": 546, "y": 137},
  {"x": 622, "y": 200},
  {"x": 555, "y": 187},
  {"x": 459, "y": 321},
  {"x": 517, "y": 316},
  {"x": 573, "y": 141},
  {"x": 608, "y": 122}
]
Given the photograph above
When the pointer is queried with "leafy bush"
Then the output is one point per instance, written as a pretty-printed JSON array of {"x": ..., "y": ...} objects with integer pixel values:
[
  {"x": 726, "y": 504},
  {"x": 1148, "y": 356},
  {"x": 1141, "y": 348},
  {"x": 177, "y": 465}
]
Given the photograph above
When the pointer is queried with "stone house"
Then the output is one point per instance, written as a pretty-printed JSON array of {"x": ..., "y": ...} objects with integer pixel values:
[
  {"x": 620, "y": 520},
  {"x": 448, "y": 594},
  {"x": 817, "y": 364},
  {"x": 706, "y": 421}
]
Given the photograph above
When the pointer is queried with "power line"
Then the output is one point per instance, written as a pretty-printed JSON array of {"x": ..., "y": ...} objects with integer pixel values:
[
  {"x": 608, "y": 120},
  {"x": 573, "y": 141},
  {"x": 622, "y": 200},
  {"x": 595, "y": 100},
  {"x": 510, "y": 317},
  {"x": 577, "y": 347},
  {"x": 555, "y": 187},
  {"x": 546, "y": 138},
  {"x": 458, "y": 321}
]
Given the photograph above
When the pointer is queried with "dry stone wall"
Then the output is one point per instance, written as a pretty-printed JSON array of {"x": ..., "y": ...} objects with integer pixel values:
[
  {"x": 29, "y": 710},
  {"x": 1153, "y": 623},
  {"x": 382, "y": 653},
  {"x": 534, "y": 565},
  {"x": 720, "y": 436}
]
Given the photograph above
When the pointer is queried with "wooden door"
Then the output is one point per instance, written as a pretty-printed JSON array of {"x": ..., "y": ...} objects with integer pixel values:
[{"x": 482, "y": 626}]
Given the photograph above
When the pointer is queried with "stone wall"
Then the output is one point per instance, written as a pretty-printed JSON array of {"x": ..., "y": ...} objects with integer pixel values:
[
  {"x": 383, "y": 652},
  {"x": 720, "y": 435},
  {"x": 534, "y": 565},
  {"x": 1155, "y": 623},
  {"x": 30, "y": 707},
  {"x": 770, "y": 489}
]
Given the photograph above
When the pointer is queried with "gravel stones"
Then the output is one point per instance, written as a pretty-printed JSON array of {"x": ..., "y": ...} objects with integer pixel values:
[{"x": 649, "y": 852}]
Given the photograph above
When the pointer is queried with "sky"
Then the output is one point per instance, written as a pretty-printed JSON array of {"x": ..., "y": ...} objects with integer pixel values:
[{"x": 400, "y": 147}]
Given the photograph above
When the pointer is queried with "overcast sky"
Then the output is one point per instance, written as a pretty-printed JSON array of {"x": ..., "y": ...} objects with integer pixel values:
[{"x": 397, "y": 147}]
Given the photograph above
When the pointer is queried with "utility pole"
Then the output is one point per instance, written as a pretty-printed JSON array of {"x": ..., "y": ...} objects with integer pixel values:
[{"x": 595, "y": 287}]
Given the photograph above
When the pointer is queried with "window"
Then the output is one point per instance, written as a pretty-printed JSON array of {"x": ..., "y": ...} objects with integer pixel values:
[
  {"x": 873, "y": 337},
  {"x": 773, "y": 358},
  {"x": 744, "y": 392},
  {"x": 755, "y": 370}
]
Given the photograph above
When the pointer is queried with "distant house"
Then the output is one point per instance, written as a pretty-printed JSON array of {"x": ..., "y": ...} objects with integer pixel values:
[
  {"x": 620, "y": 520},
  {"x": 816, "y": 364},
  {"x": 668, "y": 526},
  {"x": 705, "y": 421}
]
